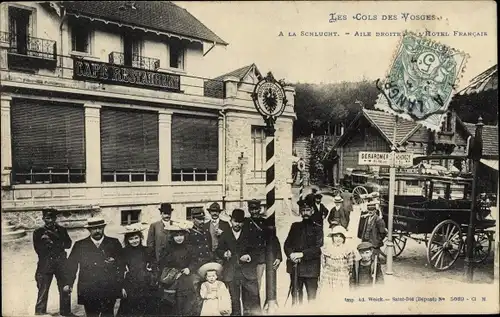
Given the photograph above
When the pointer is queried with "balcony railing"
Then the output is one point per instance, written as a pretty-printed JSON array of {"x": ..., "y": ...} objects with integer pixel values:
[
  {"x": 142, "y": 62},
  {"x": 30, "y": 46}
]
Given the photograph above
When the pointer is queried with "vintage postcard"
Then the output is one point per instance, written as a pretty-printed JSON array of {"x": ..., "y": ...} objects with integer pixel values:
[{"x": 200, "y": 158}]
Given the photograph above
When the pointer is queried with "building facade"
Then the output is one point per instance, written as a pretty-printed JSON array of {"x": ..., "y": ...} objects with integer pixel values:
[
  {"x": 104, "y": 112},
  {"x": 374, "y": 130}
]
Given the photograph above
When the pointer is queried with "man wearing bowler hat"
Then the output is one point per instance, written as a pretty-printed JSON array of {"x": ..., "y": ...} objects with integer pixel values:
[
  {"x": 240, "y": 266},
  {"x": 158, "y": 235},
  {"x": 320, "y": 211},
  {"x": 50, "y": 243},
  {"x": 101, "y": 270},
  {"x": 256, "y": 226},
  {"x": 216, "y": 226}
]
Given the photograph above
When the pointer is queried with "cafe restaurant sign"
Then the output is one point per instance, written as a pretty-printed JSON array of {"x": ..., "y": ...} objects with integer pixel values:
[{"x": 123, "y": 75}]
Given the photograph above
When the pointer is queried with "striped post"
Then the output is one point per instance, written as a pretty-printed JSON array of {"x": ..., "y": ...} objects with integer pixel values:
[
  {"x": 271, "y": 301},
  {"x": 301, "y": 190}
]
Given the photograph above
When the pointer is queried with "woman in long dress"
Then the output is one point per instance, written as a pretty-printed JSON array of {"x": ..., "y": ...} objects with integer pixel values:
[
  {"x": 179, "y": 262},
  {"x": 337, "y": 261},
  {"x": 137, "y": 293}
]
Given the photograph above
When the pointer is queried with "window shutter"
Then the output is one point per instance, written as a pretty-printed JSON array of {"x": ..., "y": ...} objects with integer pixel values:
[
  {"x": 195, "y": 143},
  {"x": 47, "y": 135},
  {"x": 129, "y": 140}
]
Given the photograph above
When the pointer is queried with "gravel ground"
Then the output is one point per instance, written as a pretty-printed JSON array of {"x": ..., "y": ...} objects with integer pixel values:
[{"x": 411, "y": 276}]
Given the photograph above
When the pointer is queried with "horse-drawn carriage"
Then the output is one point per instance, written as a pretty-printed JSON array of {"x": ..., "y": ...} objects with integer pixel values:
[{"x": 441, "y": 223}]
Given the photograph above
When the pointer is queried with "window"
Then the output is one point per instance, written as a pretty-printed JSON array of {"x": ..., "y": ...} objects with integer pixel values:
[
  {"x": 189, "y": 212},
  {"x": 176, "y": 50},
  {"x": 413, "y": 182},
  {"x": 447, "y": 125},
  {"x": 132, "y": 50},
  {"x": 259, "y": 151},
  {"x": 338, "y": 129},
  {"x": 130, "y": 217},
  {"x": 129, "y": 145},
  {"x": 195, "y": 148},
  {"x": 20, "y": 27},
  {"x": 80, "y": 37},
  {"x": 48, "y": 142}
]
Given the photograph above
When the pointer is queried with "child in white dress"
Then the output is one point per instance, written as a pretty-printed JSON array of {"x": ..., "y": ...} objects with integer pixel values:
[{"x": 214, "y": 293}]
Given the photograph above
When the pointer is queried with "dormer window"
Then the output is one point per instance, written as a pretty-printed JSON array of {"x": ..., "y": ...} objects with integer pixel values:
[
  {"x": 176, "y": 50},
  {"x": 132, "y": 50},
  {"x": 80, "y": 38},
  {"x": 448, "y": 123}
]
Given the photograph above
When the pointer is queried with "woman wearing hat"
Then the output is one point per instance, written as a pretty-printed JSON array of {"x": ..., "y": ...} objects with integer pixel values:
[
  {"x": 137, "y": 289},
  {"x": 337, "y": 260},
  {"x": 176, "y": 274}
]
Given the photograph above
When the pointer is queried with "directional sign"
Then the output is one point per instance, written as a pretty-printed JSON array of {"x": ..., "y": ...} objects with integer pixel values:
[{"x": 385, "y": 159}]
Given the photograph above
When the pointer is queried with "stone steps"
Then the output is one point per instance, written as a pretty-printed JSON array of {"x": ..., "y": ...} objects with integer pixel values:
[{"x": 10, "y": 232}]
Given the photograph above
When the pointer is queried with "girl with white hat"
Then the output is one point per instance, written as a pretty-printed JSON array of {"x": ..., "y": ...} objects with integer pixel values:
[
  {"x": 214, "y": 293},
  {"x": 337, "y": 261}
]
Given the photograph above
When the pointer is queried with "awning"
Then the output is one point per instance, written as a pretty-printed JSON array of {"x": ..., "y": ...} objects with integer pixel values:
[{"x": 490, "y": 163}]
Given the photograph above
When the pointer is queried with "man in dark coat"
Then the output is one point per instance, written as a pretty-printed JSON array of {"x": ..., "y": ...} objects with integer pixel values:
[
  {"x": 240, "y": 273},
  {"x": 320, "y": 211},
  {"x": 216, "y": 226},
  {"x": 255, "y": 224},
  {"x": 339, "y": 215},
  {"x": 373, "y": 228},
  {"x": 101, "y": 270},
  {"x": 158, "y": 236},
  {"x": 303, "y": 250},
  {"x": 200, "y": 240},
  {"x": 50, "y": 243}
]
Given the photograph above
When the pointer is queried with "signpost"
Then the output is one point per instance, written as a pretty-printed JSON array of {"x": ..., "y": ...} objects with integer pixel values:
[
  {"x": 393, "y": 160},
  {"x": 242, "y": 161},
  {"x": 270, "y": 101}
]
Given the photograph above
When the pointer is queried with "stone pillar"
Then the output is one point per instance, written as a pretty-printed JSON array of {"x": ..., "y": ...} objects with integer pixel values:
[
  {"x": 230, "y": 86},
  {"x": 93, "y": 144},
  {"x": 165, "y": 146},
  {"x": 6, "y": 140},
  {"x": 222, "y": 151},
  {"x": 290, "y": 97}
]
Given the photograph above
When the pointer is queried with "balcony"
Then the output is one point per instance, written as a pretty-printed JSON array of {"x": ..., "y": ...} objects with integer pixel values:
[
  {"x": 29, "y": 53},
  {"x": 141, "y": 62}
]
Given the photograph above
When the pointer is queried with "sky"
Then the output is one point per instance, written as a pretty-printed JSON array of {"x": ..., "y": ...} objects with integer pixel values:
[{"x": 252, "y": 30}]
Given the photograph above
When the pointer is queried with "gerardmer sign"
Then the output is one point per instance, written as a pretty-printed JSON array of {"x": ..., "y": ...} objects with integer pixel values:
[
  {"x": 384, "y": 159},
  {"x": 123, "y": 75}
]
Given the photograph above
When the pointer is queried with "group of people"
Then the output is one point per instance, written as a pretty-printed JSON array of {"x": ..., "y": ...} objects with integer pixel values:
[
  {"x": 185, "y": 268},
  {"x": 205, "y": 268},
  {"x": 318, "y": 257}
]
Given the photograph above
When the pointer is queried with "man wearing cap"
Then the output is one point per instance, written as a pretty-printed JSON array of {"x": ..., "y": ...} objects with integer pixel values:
[
  {"x": 256, "y": 225},
  {"x": 338, "y": 215},
  {"x": 216, "y": 226},
  {"x": 200, "y": 240},
  {"x": 303, "y": 250},
  {"x": 50, "y": 243},
  {"x": 158, "y": 236},
  {"x": 101, "y": 271},
  {"x": 240, "y": 266},
  {"x": 320, "y": 211},
  {"x": 367, "y": 271},
  {"x": 373, "y": 228}
]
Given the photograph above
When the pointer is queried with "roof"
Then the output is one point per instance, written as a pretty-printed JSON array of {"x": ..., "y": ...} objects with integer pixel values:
[
  {"x": 490, "y": 138},
  {"x": 162, "y": 16},
  {"x": 215, "y": 87},
  {"x": 487, "y": 80},
  {"x": 384, "y": 123}
]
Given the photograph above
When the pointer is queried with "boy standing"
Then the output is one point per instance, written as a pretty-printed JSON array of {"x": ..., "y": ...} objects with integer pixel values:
[{"x": 368, "y": 270}]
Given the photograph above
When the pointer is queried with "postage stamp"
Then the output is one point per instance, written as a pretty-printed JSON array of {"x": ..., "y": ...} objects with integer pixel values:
[{"x": 421, "y": 81}]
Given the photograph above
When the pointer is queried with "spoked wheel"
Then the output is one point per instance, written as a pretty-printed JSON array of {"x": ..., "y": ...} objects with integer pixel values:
[
  {"x": 482, "y": 247},
  {"x": 356, "y": 194},
  {"x": 399, "y": 243},
  {"x": 444, "y": 245}
]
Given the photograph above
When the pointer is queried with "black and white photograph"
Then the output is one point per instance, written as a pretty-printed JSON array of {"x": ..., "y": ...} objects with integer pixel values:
[{"x": 246, "y": 158}]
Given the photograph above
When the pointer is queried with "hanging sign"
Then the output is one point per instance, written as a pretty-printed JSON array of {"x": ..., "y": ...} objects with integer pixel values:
[{"x": 269, "y": 97}]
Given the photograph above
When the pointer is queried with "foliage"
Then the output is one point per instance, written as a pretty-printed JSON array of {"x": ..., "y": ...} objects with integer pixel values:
[
  {"x": 319, "y": 105},
  {"x": 470, "y": 107},
  {"x": 320, "y": 156}
]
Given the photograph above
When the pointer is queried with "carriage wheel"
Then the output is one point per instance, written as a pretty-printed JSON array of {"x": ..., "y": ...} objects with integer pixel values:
[
  {"x": 356, "y": 194},
  {"x": 482, "y": 247},
  {"x": 444, "y": 245},
  {"x": 399, "y": 243}
]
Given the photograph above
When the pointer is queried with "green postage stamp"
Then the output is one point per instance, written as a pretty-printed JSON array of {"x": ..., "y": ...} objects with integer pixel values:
[{"x": 421, "y": 81}]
